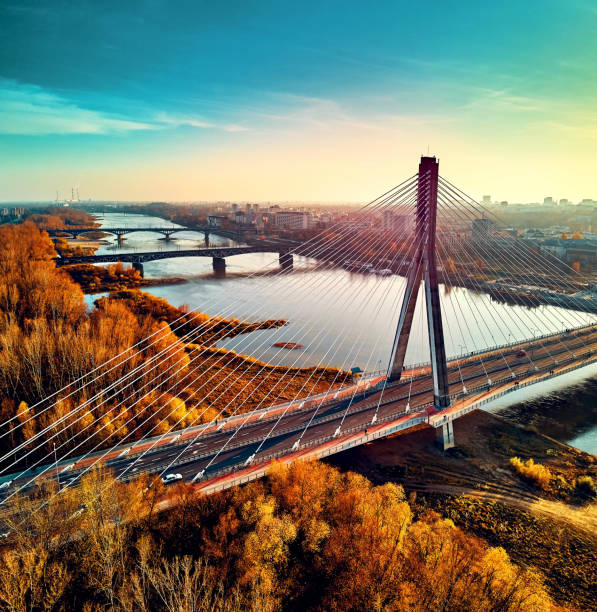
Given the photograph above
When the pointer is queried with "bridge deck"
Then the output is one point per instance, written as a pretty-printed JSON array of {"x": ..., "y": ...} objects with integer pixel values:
[{"x": 168, "y": 254}]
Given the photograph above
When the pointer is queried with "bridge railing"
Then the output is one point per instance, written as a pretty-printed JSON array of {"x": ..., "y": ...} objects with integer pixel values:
[
  {"x": 418, "y": 407},
  {"x": 568, "y": 331},
  {"x": 511, "y": 389},
  {"x": 348, "y": 394},
  {"x": 417, "y": 418}
]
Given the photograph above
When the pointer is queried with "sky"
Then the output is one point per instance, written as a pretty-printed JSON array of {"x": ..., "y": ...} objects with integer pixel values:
[{"x": 322, "y": 100}]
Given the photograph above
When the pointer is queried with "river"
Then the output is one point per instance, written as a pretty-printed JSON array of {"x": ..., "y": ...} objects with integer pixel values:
[{"x": 347, "y": 319}]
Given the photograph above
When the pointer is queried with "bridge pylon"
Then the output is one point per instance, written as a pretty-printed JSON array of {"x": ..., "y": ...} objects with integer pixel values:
[{"x": 424, "y": 267}]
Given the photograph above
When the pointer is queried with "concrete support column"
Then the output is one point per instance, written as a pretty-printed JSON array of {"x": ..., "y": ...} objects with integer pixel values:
[
  {"x": 286, "y": 261},
  {"x": 168, "y": 237},
  {"x": 120, "y": 238},
  {"x": 206, "y": 239},
  {"x": 445, "y": 435},
  {"x": 137, "y": 265},
  {"x": 219, "y": 264}
]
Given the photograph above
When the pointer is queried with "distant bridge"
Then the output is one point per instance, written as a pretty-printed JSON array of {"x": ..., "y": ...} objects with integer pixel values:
[
  {"x": 218, "y": 255},
  {"x": 165, "y": 231}
]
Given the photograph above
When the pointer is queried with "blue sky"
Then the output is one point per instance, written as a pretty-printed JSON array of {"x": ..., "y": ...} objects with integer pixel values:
[{"x": 295, "y": 100}]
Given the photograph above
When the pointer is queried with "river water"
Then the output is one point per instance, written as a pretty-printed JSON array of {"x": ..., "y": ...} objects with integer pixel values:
[{"x": 347, "y": 319}]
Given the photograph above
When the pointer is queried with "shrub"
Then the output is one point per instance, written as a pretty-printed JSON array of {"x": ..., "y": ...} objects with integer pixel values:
[
  {"x": 586, "y": 486},
  {"x": 535, "y": 473}
]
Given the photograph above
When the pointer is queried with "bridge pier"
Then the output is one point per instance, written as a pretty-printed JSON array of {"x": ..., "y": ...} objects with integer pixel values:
[
  {"x": 206, "y": 234},
  {"x": 137, "y": 265},
  {"x": 219, "y": 265},
  {"x": 286, "y": 261},
  {"x": 445, "y": 434},
  {"x": 120, "y": 238},
  {"x": 168, "y": 236}
]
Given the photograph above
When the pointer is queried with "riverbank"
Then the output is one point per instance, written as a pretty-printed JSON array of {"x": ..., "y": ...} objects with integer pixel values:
[
  {"x": 115, "y": 277},
  {"x": 552, "y": 530}
]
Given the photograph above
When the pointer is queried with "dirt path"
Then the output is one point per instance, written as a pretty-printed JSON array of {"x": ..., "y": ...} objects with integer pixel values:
[{"x": 584, "y": 518}]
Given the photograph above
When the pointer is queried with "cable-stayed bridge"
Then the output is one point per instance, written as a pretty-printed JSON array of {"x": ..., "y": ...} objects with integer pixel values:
[{"x": 441, "y": 241}]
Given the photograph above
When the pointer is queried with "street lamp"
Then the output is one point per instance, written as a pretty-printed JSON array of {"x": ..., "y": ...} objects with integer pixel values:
[{"x": 55, "y": 459}]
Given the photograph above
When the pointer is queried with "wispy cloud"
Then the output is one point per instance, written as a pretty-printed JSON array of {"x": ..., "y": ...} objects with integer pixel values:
[
  {"x": 31, "y": 110},
  {"x": 167, "y": 119},
  {"x": 504, "y": 100}
]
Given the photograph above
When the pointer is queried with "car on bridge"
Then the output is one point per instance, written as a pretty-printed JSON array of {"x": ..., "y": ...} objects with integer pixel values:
[
  {"x": 521, "y": 353},
  {"x": 170, "y": 478}
]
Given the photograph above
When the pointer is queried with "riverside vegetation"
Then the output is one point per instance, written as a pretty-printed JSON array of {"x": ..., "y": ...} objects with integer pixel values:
[
  {"x": 91, "y": 279},
  {"x": 540, "y": 507},
  {"x": 307, "y": 537}
]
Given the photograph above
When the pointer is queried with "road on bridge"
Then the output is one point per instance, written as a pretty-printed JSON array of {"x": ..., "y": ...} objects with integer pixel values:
[{"x": 191, "y": 453}]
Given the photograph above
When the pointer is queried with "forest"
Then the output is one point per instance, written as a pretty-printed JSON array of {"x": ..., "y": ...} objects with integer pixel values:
[{"x": 307, "y": 537}]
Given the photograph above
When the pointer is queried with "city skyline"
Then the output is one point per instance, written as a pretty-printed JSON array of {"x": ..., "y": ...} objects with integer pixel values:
[{"x": 317, "y": 103}]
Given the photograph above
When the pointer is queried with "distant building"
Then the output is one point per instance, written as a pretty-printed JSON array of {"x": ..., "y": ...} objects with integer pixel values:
[
  {"x": 548, "y": 201},
  {"x": 451, "y": 241},
  {"x": 573, "y": 250},
  {"x": 215, "y": 220},
  {"x": 325, "y": 219},
  {"x": 11, "y": 214},
  {"x": 482, "y": 228},
  {"x": 394, "y": 222},
  {"x": 486, "y": 200},
  {"x": 294, "y": 220}
]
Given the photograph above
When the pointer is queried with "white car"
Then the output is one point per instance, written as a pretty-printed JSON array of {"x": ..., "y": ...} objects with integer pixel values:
[{"x": 168, "y": 478}]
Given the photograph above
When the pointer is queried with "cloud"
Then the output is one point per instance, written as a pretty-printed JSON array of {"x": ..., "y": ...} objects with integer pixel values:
[
  {"x": 504, "y": 100},
  {"x": 169, "y": 120},
  {"x": 31, "y": 110}
]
